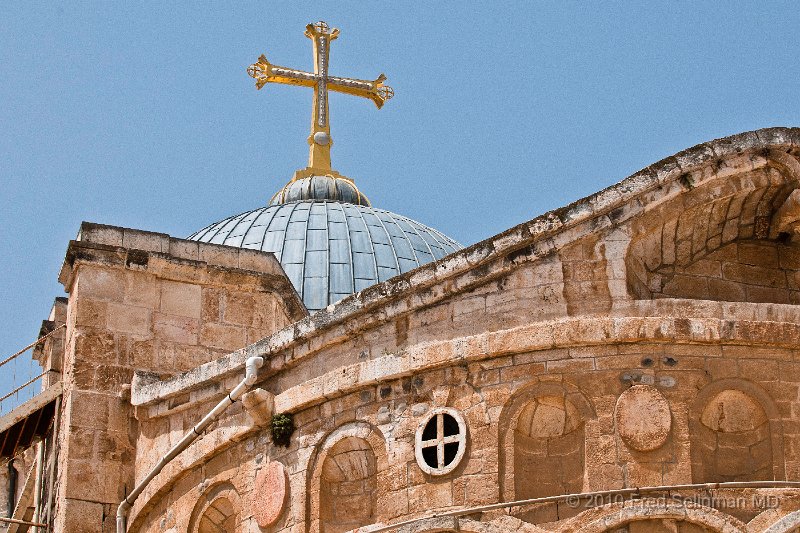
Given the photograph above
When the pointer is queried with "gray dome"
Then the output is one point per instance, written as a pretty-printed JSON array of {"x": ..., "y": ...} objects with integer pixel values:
[
  {"x": 339, "y": 189},
  {"x": 331, "y": 249}
]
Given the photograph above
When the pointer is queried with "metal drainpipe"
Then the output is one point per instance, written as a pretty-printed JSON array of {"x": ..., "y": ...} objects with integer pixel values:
[
  {"x": 251, "y": 373},
  {"x": 12, "y": 487},
  {"x": 53, "y": 464},
  {"x": 37, "y": 494}
]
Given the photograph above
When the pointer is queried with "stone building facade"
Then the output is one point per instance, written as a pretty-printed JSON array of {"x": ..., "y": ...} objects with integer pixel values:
[{"x": 622, "y": 350}]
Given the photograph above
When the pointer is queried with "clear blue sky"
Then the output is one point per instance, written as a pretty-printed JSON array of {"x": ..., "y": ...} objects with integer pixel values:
[{"x": 141, "y": 114}]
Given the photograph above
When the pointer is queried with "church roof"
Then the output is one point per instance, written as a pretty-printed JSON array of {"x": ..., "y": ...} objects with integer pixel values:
[{"x": 330, "y": 249}]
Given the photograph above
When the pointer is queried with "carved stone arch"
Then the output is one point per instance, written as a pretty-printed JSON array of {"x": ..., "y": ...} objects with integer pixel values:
[
  {"x": 789, "y": 523},
  {"x": 753, "y": 402},
  {"x": 502, "y": 524},
  {"x": 541, "y": 437},
  {"x": 217, "y": 511},
  {"x": 704, "y": 242},
  {"x": 366, "y": 447},
  {"x": 617, "y": 516}
]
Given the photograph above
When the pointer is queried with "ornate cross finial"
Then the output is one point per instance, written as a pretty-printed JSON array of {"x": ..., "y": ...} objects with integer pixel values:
[{"x": 319, "y": 159}]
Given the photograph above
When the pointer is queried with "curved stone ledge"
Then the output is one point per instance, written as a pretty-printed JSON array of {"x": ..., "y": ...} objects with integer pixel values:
[
  {"x": 618, "y": 514},
  {"x": 541, "y": 337},
  {"x": 785, "y": 524},
  {"x": 207, "y": 446},
  {"x": 664, "y": 320},
  {"x": 493, "y": 257},
  {"x": 564, "y": 333}
]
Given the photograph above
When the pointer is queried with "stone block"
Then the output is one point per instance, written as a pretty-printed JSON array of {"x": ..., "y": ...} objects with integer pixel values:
[
  {"x": 686, "y": 286},
  {"x": 114, "y": 446},
  {"x": 755, "y": 275},
  {"x": 241, "y": 309},
  {"x": 571, "y": 365},
  {"x": 521, "y": 340},
  {"x": 706, "y": 268},
  {"x": 81, "y": 442},
  {"x": 469, "y": 305},
  {"x": 99, "y": 283},
  {"x": 145, "y": 240},
  {"x": 83, "y": 376},
  {"x": 93, "y": 348},
  {"x": 482, "y": 489},
  {"x": 99, "y": 234},
  {"x": 430, "y": 495},
  {"x": 258, "y": 261},
  {"x": 211, "y": 310},
  {"x": 90, "y": 313},
  {"x": 136, "y": 353},
  {"x": 128, "y": 319},
  {"x": 768, "y": 295},
  {"x": 80, "y": 516},
  {"x": 523, "y": 372},
  {"x": 94, "y": 480},
  {"x": 173, "y": 328},
  {"x": 182, "y": 299},
  {"x": 111, "y": 378},
  {"x": 759, "y": 254},
  {"x": 224, "y": 256},
  {"x": 223, "y": 336},
  {"x": 88, "y": 410},
  {"x": 727, "y": 291},
  {"x": 141, "y": 289},
  {"x": 184, "y": 249}
]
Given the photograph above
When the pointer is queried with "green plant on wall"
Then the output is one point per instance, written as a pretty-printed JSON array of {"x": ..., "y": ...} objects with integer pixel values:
[{"x": 282, "y": 427}]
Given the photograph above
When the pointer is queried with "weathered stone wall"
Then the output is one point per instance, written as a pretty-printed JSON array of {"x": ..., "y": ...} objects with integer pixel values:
[
  {"x": 143, "y": 301},
  {"x": 561, "y": 314},
  {"x": 746, "y": 271},
  {"x": 722, "y": 241},
  {"x": 494, "y": 394}
]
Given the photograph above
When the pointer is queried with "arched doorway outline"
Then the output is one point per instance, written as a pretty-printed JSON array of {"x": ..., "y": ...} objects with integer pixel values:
[{"x": 360, "y": 430}]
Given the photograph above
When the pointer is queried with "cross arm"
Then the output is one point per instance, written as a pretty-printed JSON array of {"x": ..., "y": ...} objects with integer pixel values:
[
  {"x": 265, "y": 72},
  {"x": 374, "y": 90}
]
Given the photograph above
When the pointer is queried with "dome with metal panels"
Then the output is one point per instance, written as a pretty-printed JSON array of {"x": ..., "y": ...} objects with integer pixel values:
[
  {"x": 337, "y": 188},
  {"x": 329, "y": 248}
]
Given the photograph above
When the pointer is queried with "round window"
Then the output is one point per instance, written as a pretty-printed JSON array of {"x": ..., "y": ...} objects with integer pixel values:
[{"x": 441, "y": 441}]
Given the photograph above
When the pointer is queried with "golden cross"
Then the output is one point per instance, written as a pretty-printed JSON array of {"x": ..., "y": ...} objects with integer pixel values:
[{"x": 319, "y": 158}]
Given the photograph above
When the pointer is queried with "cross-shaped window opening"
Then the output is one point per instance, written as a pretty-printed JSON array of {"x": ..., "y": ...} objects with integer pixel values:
[{"x": 442, "y": 442}]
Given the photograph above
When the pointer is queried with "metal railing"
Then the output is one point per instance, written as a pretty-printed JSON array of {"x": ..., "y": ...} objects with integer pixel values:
[
  {"x": 21, "y": 369},
  {"x": 574, "y": 500}
]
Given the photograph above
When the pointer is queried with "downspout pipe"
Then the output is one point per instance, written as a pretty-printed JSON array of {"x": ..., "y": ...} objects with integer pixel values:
[
  {"x": 37, "y": 491},
  {"x": 251, "y": 373},
  {"x": 12, "y": 487}
]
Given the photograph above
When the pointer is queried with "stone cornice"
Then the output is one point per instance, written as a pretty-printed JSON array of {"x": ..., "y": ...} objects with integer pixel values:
[
  {"x": 492, "y": 257},
  {"x": 661, "y": 321},
  {"x": 172, "y": 258}
]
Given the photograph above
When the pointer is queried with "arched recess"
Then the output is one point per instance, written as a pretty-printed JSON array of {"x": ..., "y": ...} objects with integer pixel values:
[
  {"x": 654, "y": 516},
  {"x": 723, "y": 240},
  {"x": 789, "y": 523},
  {"x": 501, "y": 524},
  {"x": 736, "y": 434},
  {"x": 542, "y": 447},
  {"x": 347, "y": 479},
  {"x": 217, "y": 511}
]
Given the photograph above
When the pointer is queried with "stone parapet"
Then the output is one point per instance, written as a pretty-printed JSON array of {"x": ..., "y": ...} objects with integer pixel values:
[
  {"x": 560, "y": 280},
  {"x": 145, "y": 301},
  {"x": 567, "y": 363}
]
